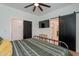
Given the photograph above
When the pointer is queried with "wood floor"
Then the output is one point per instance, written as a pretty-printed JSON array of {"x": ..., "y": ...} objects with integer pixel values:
[{"x": 74, "y": 53}]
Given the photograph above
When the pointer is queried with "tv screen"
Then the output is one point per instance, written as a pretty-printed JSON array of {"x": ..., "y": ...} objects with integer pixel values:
[{"x": 44, "y": 24}]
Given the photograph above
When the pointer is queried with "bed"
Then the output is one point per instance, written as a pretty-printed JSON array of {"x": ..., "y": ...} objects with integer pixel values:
[{"x": 36, "y": 47}]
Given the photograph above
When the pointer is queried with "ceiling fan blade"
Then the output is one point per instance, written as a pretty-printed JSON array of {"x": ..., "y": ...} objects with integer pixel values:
[
  {"x": 40, "y": 8},
  {"x": 29, "y": 5},
  {"x": 34, "y": 8},
  {"x": 44, "y": 5}
]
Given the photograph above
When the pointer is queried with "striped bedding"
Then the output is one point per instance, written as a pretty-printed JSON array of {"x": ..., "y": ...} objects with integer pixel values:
[{"x": 34, "y": 47}]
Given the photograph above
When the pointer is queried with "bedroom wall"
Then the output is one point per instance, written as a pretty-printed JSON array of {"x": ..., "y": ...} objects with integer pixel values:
[
  {"x": 77, "y": 32},
  {"x": 59, "y": 12},
  {"x": 7, "y": 14}
]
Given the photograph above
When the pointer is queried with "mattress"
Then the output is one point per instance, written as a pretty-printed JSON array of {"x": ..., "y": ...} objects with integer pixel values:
[{"x": 34, "y": 47}]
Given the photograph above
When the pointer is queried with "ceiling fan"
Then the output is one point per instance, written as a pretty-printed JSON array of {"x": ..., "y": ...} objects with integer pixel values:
[{"x": 37, "y": 5}]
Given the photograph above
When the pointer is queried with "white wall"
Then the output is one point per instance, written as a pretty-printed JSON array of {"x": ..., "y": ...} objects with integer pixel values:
[
  {"x": 7, "y": 14},
  {"x": 77, "y": 32}
]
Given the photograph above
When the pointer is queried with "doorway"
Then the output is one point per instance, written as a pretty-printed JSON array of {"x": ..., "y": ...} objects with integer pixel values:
[{"x": 27, "y": 29}]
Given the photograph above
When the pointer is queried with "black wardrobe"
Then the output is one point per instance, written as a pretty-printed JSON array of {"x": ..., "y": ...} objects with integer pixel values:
[
  {"x": 67, "y": 30},
  {"x": 27, "y": 29}
]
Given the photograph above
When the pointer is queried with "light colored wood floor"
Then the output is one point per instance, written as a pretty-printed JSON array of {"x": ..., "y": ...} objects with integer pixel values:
[{"x": 74, "y": 53}]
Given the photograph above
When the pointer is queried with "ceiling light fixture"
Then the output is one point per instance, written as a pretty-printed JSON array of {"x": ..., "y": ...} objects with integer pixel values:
[{"x": 36, "y": 4}]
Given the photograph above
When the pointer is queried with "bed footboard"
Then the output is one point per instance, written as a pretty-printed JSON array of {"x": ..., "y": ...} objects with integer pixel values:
[{"x": 52, "y": 41}]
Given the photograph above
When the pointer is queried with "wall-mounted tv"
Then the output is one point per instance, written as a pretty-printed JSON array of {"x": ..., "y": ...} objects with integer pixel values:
[{"x": 44, "y": 24}]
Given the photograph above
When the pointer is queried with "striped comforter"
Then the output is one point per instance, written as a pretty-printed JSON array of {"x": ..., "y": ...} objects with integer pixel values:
[{"x": 34, "y": 47}]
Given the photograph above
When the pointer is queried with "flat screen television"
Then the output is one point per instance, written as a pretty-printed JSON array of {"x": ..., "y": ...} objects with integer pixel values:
[{"x": 44, "y": 24}]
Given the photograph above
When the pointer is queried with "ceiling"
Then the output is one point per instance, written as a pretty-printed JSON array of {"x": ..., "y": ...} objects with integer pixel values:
[{"x": 37, "y": 12}]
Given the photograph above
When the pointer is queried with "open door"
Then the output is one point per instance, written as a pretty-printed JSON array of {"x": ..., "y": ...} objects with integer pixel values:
[{"x": 27, "y": 29}]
